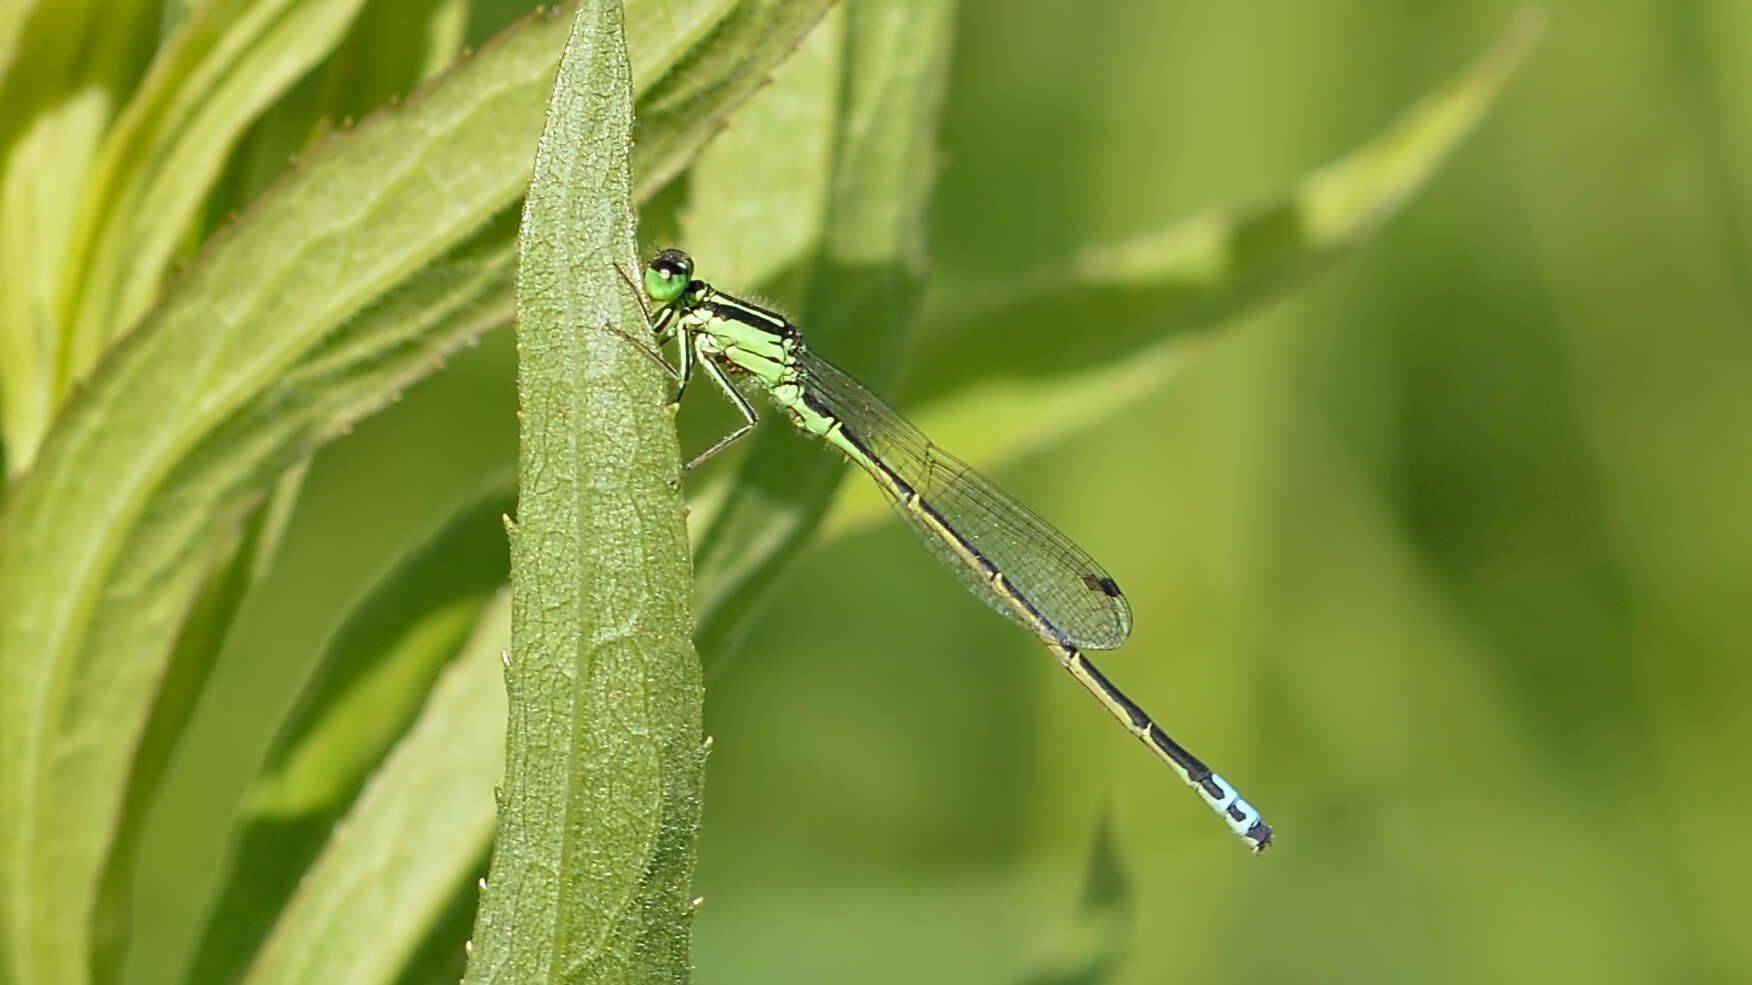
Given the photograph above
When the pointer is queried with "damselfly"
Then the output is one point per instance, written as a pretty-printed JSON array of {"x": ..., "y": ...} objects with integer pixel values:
[{"x": 1006, "y": 555}]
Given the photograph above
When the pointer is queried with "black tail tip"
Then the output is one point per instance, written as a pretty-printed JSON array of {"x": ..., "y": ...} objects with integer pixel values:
[{"x": 1259, "y": 836}]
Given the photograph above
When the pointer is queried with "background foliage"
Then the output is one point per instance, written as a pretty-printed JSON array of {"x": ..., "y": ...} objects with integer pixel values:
[{"x": 1442, "y": 559}]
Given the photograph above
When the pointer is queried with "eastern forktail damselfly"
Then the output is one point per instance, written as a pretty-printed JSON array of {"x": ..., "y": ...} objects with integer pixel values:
[{"x": 1006, "y": 555}]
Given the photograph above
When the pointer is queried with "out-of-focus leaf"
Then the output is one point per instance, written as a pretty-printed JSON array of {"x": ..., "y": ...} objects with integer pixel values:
[
  {"x": 392, "y": 46},
  {"x": 64, "y": 68},
  {"x": 1716, "y": 69},
  {"x": 593, "y": 858},
  {"x": 369, "y": 897},
  {"x": 1037, "y": 414},
  {"x": 1013, "y": 352},
  {"x": 1143, "y": 291},
  {"x": 443, "y": 955},
  {"x": 729, "y": 60},
  {"x": 861, "y": 296},
  {"x": 227, "y": 61},
  {"x": 758, "y": 192},
  {"x": 41, "y": 181},
  {"x": 1092, "y": 948},
  {"x": 277, "y": 335},
  {"x": 197, "y": 649},
  {"x": 370, "y": 499},
  {"x": 372, "y": 681},
  {"x": 171, "y": 17},
  {"x": 12, "y": 19}
]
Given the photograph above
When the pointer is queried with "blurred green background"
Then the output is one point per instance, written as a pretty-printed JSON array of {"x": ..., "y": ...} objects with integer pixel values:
[{"x": 1443, "y": 560}]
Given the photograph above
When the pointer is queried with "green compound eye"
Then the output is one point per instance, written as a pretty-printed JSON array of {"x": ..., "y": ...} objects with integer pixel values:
[{"x": 668, "y": 275}]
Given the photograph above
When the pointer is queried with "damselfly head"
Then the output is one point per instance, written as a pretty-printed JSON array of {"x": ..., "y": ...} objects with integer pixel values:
[{"x": 668, "y": 275}]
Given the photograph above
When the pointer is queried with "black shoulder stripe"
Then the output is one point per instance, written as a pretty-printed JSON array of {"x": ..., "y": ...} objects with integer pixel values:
[
  {"x": 814, "y": 403},
  {"x": 902, "y": 488},
  {"x": 751, "y": 315}
]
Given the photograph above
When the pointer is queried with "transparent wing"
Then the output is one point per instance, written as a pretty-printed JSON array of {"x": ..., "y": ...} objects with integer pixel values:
[{"x": 1065, "y": 585}]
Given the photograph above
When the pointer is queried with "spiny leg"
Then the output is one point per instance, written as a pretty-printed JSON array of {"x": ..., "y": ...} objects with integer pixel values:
[
  {"x": 678, "y": 375},
  {"x": 749, "y": 417},
  {"x": 638, "y": 292},
  {"x": 650, "y": 353},
  {"x": 664, "y": 328}
]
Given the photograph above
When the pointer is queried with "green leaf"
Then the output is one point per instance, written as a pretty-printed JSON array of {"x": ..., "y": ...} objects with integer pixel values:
[
  {"x": 1094, "y": 945},
  {"x": 13, "y": 17},
  {"x": 224, "y": 65},
  {"x": 1202, "y": 270},
  {"x": 198, "y": 646},
  {"x": 759, "y": 191},
  {"x": 443, "y": 955},
  {"x": 334, "y": 292},
  {"x": 366, "y": 901},
  {"x": 727, "y": 63},
  {"x": 392, "y": 46},
  {"x": 594, "y": 853},
  {"x": 372, "y": 680},
  {"x": 276, "y": 337},
  {"x": 1002, "y": 352},
  {"x": 63, "y": 70},
  {"x": 860, "y": 296},
  {"x": 370, "y": 500},
  {"x": 162, "y": 556},
  {"x": 41, "y": 181}
]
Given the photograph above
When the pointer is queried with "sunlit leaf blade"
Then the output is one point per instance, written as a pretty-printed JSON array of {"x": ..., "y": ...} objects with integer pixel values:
[
  {"x": 861, "y": 295},
  {"x": 223, "y": 66},
  {"x": 372, "y": 680},
  {"x": 593, "y": 856},
  {"x": 71, "y": 64},
  {"x": 1192, "y": 274},
  {"x": 391, "y": 47},
  {"x": 41, "y": 181},
  {"x": 366, "y": 901},
  {"x": 101, "y": 547}
]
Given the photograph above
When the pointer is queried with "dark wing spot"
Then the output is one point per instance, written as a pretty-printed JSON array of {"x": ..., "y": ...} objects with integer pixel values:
[{"x": 1106, "y": 586}]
